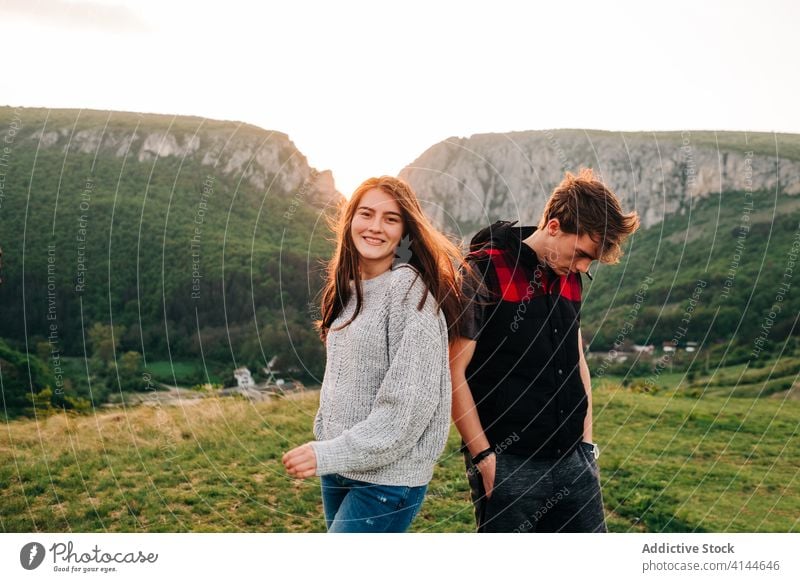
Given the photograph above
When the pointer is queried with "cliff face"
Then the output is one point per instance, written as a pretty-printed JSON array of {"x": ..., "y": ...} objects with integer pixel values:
[
  {"x": 467, "y": 182},
  {"x": 161, "y": 221},
  {"x": 266, "y": 160}
]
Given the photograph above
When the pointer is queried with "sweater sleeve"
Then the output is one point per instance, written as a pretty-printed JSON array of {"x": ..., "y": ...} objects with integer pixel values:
[
  {"x": 408, "y": 394},
  {"x": 318, "y": 422}
]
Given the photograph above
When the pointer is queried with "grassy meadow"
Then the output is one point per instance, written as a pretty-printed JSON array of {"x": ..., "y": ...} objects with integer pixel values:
[{"x": 669, "y": 463}]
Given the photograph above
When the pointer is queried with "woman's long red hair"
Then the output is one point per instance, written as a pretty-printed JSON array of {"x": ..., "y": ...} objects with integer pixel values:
[{"x": 438, "y": 260}]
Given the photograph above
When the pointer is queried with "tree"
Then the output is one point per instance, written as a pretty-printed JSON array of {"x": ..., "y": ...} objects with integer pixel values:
[
  {"x": 102, "y": 340},
  {"x": 130, "y": 371}
]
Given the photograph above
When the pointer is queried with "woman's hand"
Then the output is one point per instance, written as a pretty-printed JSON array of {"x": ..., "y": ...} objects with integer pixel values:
[{"x": 301, "y": 461}]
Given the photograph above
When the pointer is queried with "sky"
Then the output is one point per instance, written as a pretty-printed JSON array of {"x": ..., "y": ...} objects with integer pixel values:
[{"x": 364, "y": 88}]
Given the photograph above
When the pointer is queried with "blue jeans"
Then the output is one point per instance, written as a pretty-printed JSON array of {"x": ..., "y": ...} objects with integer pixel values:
[{"x": 359, "y": 507}]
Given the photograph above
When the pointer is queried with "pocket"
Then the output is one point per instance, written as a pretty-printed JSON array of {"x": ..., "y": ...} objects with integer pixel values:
[
  {"x": 498, "y": 477},
  {"x": 587, "y": 452},
  {"x": 473, "y": 475},
  {"x": 588, "y": 449},
  {"x": 393, "y": 497},
  {"x": 414, "y": 497}
]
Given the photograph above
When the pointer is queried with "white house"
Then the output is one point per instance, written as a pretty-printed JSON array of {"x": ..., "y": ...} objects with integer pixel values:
[
  {"x": 243, "y": 377},
  {"x": 648, "y": 349}
]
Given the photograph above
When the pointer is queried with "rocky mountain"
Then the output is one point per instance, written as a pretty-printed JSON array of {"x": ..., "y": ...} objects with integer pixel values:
[
  {"x": 266, "y": 160},
  {"x": 468, "y": 182},
  {"x": 199, "y": 238},
  {"x": 726, "y": 205}
]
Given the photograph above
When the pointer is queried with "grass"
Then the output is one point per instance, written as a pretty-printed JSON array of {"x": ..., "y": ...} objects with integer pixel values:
[
  {"x": 668, "y": 464},
  {"x": 709, "y": 464},
  {"x": 178, "y": 371}
]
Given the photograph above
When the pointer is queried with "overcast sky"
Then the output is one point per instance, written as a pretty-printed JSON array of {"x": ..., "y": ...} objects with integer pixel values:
[{"x": 364, "y": 88}]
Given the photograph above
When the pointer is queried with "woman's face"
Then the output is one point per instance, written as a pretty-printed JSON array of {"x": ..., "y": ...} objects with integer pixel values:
[{"x": 377, "y": 228}]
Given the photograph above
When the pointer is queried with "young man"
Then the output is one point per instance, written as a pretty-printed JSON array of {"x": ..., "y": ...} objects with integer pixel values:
[{"x": 521, "y": 387}]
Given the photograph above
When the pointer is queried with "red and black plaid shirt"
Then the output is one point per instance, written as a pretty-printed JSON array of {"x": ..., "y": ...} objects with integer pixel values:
[{"x": 525, "y": 375}]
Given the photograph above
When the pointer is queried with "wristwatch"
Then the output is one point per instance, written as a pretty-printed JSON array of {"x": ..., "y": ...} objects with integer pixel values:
[{"x": 593, "y": 448}]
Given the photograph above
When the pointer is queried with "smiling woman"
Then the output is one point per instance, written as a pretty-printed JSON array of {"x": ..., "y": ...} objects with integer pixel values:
[
  {"x": 376, "y": 229},
  {"x": 384, "y": 412}
]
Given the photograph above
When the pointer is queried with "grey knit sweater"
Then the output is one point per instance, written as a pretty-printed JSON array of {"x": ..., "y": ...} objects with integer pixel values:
[{"x": 384, "y": 412}]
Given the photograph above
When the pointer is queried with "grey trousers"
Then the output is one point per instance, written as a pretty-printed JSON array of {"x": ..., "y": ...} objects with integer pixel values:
[{"x": 540, "y": 495}]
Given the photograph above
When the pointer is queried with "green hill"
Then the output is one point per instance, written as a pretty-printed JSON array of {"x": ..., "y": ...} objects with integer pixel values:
[
  {"x": 142, "y": 246},
  {"x": 711, "y": 275},
  {"x": 197, "y": 239}
]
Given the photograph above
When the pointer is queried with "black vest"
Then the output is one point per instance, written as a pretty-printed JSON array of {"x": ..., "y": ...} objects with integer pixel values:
[{"x": 525, "y": 375}]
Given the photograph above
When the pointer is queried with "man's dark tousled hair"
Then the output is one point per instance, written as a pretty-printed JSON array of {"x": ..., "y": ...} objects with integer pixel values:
[{"x": 584, "y": 205}]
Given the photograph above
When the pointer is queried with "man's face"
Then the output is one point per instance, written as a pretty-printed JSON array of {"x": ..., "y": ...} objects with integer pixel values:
[{"x": 569, "y": 253}]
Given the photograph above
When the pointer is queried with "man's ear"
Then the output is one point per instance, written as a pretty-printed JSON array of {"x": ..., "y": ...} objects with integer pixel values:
[{"x": 553, "y": 226}]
